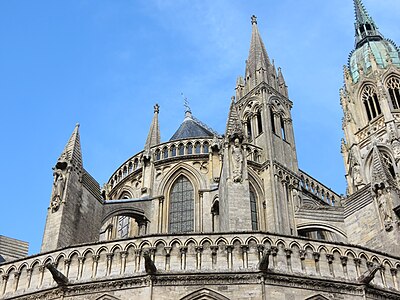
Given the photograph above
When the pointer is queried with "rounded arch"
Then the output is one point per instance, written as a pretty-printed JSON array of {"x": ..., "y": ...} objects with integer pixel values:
[
  {"x": 75, "y": 252},
  {"x": 125, "y": 193},
  {"x": 61, "y": 255},
  {"x": 127, "y": 211},
  {"x": 160, "y": 241},
  {"x": 323, "y": 226}
]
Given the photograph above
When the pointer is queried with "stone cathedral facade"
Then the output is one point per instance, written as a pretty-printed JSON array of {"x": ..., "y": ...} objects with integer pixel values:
[{"x": 210, "y": 216}]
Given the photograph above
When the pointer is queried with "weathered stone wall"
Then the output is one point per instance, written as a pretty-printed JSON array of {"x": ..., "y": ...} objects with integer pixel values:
[{"x": 186, "y": 262}]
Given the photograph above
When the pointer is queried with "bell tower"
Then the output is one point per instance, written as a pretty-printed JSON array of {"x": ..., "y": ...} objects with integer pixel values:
[{"x": 370, "y": 100}]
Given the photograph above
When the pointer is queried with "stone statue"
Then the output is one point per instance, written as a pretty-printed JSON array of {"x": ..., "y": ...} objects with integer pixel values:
[
  {"x": 58, "y": 189},
  {"x": 357, "y": 176},
  {"x": 237, "y": 161},
  {"x": 383, "y": 198},
  {"x": 396, "y": 149}
]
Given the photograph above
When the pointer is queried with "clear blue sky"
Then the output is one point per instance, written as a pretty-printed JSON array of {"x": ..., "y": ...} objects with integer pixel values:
[{"x": 105, "y": 63}]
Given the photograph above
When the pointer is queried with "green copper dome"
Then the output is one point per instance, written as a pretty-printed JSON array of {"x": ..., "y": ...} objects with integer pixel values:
[{"x": 384, "y": 51}]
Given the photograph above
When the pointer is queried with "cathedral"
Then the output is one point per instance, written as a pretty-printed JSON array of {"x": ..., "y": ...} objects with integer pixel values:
[{"x": 231, "y": 216}]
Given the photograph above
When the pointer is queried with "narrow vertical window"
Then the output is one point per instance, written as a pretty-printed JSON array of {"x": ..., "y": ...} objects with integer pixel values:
[
  {"x": 181, "y": 149},
  {"x": 181, "y": 210},
  {"x": 123, "y": 227},
  {"x": 253, "y": 210},
  {"x": 173, "y": 150},
  {"x": 272, "y": 120},
  {"x": 249, "y": 131},
  {"x": 205, "y": 147},
  {"x": 283, "y": 132},
  {"x": 393, "y": 86},
  {"x": 197, "y": 148},
  {"x": 259, "y": 122},
  {"x": 189, "y": 148},
  {"x": 165, "y": 152},
  {"x": 158, "y": 154}
]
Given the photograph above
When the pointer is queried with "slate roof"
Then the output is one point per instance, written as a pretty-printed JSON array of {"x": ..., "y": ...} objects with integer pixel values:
[{"x": 191, "y": 128}]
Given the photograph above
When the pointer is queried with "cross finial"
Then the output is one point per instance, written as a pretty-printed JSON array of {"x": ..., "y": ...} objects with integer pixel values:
[
  {"x": 186, "y": 104},
  {"x": 156, "y": 108},
  {"x": 253, "y": 19}
]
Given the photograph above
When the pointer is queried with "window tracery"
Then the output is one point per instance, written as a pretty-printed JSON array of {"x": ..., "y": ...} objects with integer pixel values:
[
  {"x": 393, "y": 85},
  {"x": 181, "y": 211},
  {"x": 371, "y": 102}
]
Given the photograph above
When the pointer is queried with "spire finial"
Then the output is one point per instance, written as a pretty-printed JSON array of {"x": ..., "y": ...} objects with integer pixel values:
[
  {"x": 253, "y": 19},
  {"x": 156, "y": 108},
  {"x": 366, "y": 29}
]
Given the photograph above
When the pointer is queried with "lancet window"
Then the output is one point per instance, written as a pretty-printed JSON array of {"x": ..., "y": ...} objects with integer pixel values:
[
  {"x": 249, "y": 130},
  {"x": 197, "y": 148},
  {"x": 181, "y": 149},
  {"x": 272, "y": 121},
  {"x": 189, "y": 148},
  {"x": 253, "y": 210},
  {"x": 259, "y": 122},
  {"x": 371, "y": 102},
  {"x": 393, "y": 85},
  {"x": 283, "y": 131},
  {"x": 181, "y": 210}
]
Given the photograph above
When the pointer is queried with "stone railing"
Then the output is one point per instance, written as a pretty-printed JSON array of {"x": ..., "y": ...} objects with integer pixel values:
[
  {"x": 199, "y": 253},
  {"x": 181, "y": 148},
  {"x": 132, "y": 165},
  {"x": 319, "y": 190}
]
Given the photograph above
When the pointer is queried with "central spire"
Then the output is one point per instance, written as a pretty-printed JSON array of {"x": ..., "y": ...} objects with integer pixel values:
[
  {"x": 365, "y": 27},
  {"x": 258, "y": 60}
]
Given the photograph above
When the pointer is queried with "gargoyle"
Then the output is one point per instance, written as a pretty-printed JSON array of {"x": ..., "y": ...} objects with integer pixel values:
[
  {"x": 57, "y": 275},
  {"x": 149, "y": 265},
  {"x": 263, "y": 264},
  {"x": 368, "y": 275}
]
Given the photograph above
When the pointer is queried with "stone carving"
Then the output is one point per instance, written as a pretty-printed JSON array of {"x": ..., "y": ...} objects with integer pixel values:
[
  {"x": 149, "y": 265},
  {"x": 358, "y": 181},
  {"x": 58, "y": 188},
  {"x": 383, "y": 198},
  {"x": 237, "y": 161},
  {"x": 396, "y": 149},
  {"x": 368, "y": 275},
  {"x": 57, "y": 275}
]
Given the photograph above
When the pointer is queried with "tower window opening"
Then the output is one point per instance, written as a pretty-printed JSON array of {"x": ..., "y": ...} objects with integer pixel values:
[
  {"x": 197, "y": 148},
  {"x": 158, "y": 154},
  {"x": 205, "y": 147},
  {"x": 165, "y": 152},
  {"x": 189, "y": 148},
  {"x": 283, "y": 132},
  {"x": 173, "y": 151},
  {"x": 249, "y": 131},
  {"x": 272, "y": 121},
  {"x": 181, "y": 149},
  {"x": 253, "y": 210},
  {"x": 259, "y": 122},
  {"x": 371, "y": 103},
  {"x": 393, "y": 86},
  {"x": 181, "y": 212}
]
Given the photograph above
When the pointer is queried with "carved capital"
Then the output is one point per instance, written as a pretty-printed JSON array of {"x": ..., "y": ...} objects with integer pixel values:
[
  {"x": 161, "y": 199},
  {"x": 274, "y": 250},
  {"x": 152, "y": 250},
  {"x": 123, "y": 254},
  {"x": 109, "y": 255},
  {"x": 214, "y": 249},
  {"x": 167, "y": 250},
  {"x": 17, "y": 274},
  {"x": 288, "y": 252},
  {"x": 183, "y": 249},
  {"x": 81, "y": 259},
  {"x": 260, "y": 247},
  {"x": 316, "y": 256},
  {"x": 302, "y": 254},
  {"x": 343, "y": 260},
  {"x": 370, "y": 264},
  {"x": 96, "y": 258},
  {"x": 42, "y": 268},
  {"x": 245, "y": 248},
  {"x": 393, "y": 271},
  {"x": 137, "y": 252},
  {"x": 4, "y": 277},
  {"x": 198, "y": 249},
  {"x": 357, "y": 261},
  {"x": 201, "y": 193},
  {"x": 329, "y": 257},
  {"x": 229, "y": 248}
]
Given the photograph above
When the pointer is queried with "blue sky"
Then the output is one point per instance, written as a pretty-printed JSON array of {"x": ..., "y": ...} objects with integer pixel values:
[{"x": 105, "y": 63}]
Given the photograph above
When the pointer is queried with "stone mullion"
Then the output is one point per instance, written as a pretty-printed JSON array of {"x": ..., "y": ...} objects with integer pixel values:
[
  {"x": 67, "y": 263},
  {"x": 260, "y": 251},
  {"x": 302, "y": 254},
  {"x": 382, "y": 273},
  {"x": 393, "y": 272},
  {"x": 357, "y": 263},
  {"x": 199, "y": 250},
  {"x": 274, "y": 253},
  {"x": 123, "y": 255},
  {"x": 41, "y": 275},
  {"x": 245, "y": 249},
  {"x": 200, "y": 214}
]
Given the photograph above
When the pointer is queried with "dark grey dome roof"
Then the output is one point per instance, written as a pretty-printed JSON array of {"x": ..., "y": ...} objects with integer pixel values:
[{"x": 191, "y": 128}]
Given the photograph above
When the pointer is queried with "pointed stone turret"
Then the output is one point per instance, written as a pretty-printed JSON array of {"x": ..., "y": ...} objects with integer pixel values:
[
  {"x": 233, "y": 125},
  {"x": 258, "y": 59},
  {"x": 380, "y": 176},
  {"x": 153, "y": 138},
  {"x": 365, "y": 27},
  {"x": 72, "y": 152},
  {"x": 281, "y": 83}
]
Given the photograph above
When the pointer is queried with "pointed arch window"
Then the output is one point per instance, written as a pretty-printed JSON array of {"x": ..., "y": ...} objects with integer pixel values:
[
  {"x": 272, "y": 120},
  {"x": 253, "y": 210},
  {"x": 283, "y": 131},
  {"x": 393, "y": 85},
  {"x": 197, "y": 148},
  {"x": 189, "y": 148},
  {"x": 249, "y": 130},
  {"x": 181, "y": 211},
  {"x": 389, "y": 164},
  {"x": 181, "y": 149},
  {"x": 371, "y": 102}
]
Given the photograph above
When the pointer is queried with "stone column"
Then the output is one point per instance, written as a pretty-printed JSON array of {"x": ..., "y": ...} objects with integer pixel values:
[
  {"x": 109, "y": 263},
  {"x": 393, "y": 272},
  {"x": 5, "y": 280},
  {"x": 160, "y": 214},
  {"x": 260, "y": 250},
  {"x": 29, "y": 276},
  {"x": 94, "y": 265},
  {"x": 245, "y": 249},
  {"x": 229, "y": 249},
  {"x": 274, "y": 253},
  {"x": 343, "y": 260},
  {"x": 167, "y": 257},
  {"x": 199, "y": 250},
  {"x": 137, "y": 259},
  {"x": 357, "y": 263},
  {"x": 330, "y": 259},
  {"x": 316, "y": 256},
  {"x": 16, "y": 280},
  {"x": 214, "y": 251},
  {"x": 67, "y": 263},
  {"x": 302, "y": 254},
  {"x": 41, "y": 274},
  {"x": 183, "y": 250},
  {"x": 81, "y": 260},
  {"x": 288, "y": 253},
  {"x": 123, "y": 255},
  {"x": 200, "y": 215}
]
